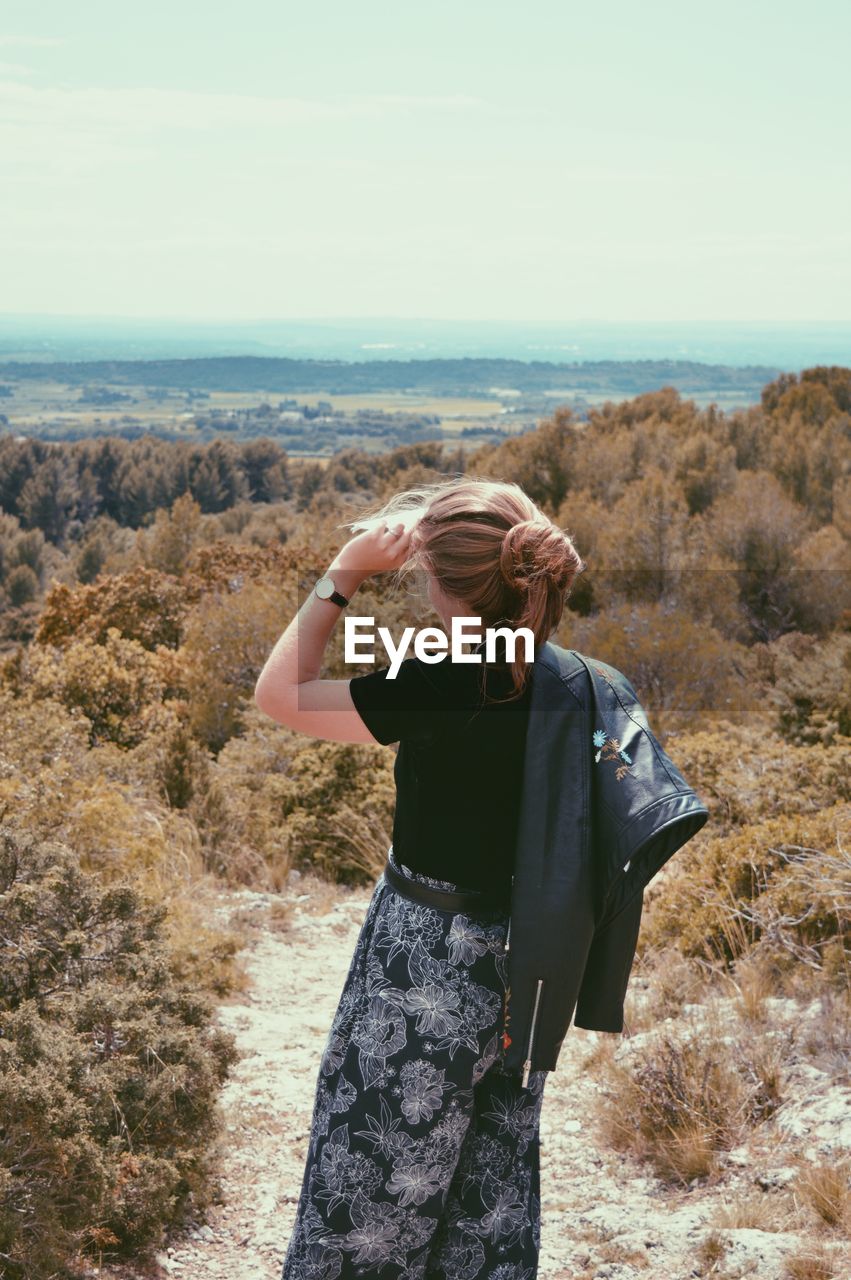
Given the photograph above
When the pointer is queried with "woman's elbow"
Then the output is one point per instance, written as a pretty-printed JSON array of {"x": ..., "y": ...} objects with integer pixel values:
[
  {"x": 272, "y": 702},
  {"x": 259, "y": 693}
]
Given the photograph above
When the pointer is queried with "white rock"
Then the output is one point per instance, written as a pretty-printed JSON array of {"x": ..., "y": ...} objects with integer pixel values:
[{"x": 763, "y": 1252}]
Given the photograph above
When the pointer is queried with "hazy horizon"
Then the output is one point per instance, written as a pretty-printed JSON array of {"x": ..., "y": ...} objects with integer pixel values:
[{"x": 356, "y": 339}]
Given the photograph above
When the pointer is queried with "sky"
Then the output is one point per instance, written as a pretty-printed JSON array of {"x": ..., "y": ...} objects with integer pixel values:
[{"x": 552, "y": 162}]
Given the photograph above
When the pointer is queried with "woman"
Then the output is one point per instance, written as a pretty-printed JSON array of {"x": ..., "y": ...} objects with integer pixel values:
[{"x": 423, "y": 1153}]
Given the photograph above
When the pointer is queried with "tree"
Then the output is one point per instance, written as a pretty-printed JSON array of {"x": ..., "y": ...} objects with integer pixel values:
[
  {"x": 264, "y": 465},
  {"x": 758, "y": 527},
  {"x": 170, "y": 543},
  {"x": 143, "y": 605},
  {"x": 644, "y": 563},
  {"x": 48, "y": 500},
  {"x": 217, "y": 482},
  {"x": 21, "y": 585},
  {"x": 540, "y": 461}
]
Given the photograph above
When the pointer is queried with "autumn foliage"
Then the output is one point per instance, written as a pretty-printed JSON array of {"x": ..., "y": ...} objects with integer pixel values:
[{"x": 143, "y": 586}]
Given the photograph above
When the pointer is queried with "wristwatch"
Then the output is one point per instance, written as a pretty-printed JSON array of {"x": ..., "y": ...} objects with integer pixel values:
[{"x": 326, "y": 590}]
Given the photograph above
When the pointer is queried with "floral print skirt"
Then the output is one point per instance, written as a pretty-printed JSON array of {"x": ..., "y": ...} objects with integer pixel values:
[{"x": 423, "y": 1154}]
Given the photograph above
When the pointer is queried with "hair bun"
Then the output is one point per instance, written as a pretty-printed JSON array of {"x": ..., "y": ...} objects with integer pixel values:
[{"x": 534, "y": 549}]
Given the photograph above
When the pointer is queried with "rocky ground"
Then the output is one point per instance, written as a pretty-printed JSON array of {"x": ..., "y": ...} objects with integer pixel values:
[{"x": 604, "y": 1215}]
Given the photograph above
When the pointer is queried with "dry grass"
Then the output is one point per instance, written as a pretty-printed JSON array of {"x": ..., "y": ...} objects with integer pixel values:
[
  {"x": 674, "y": 980},
  {"x": 205, "y": 954},
  {"x": 322, "y": 895},
  {"x": 753, "y": 981},
  {"x": 679, "y": 1099},
  {"x": 711, "y": 1250},
  {"x": 601, "y": 1050},
  {"x": 758, "y": 1211},
  {"x": 279, "y": 917},
  {"x": 827, "y": 1037},
  {"x": 815, "y": 1264},
  {"x": 612, "y": 1251},
  {"x": 826, "y": 1188}
]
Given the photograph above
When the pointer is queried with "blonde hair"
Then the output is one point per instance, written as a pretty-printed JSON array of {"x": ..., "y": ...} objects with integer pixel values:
[{"x": 487, "y": 544}]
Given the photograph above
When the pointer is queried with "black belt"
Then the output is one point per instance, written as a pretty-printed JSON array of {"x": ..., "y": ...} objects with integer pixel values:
[{"x": 468, "y": 902}]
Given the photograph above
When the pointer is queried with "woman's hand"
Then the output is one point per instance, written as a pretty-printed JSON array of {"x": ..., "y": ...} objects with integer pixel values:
[{"x": 374, "y": 550}]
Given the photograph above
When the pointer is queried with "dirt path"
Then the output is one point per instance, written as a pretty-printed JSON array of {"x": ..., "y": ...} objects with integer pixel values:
[{"x": 604, "y": 1216}]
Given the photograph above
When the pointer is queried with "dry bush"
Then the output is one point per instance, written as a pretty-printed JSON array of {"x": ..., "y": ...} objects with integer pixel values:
[
  {"x": 826, "y": 1188},
  {"x": 712, "y": 1249},
  {"x": 280, "y": 916},
  {"x": 174, "y": 764},
  {"x": 679, "y": 1098},
  {"x": 747, "y": 773},
  {"x": 228, "y": 637},
  {"x": 808, "y": 684},
  {"x": 778, "y": 886},
  {"x": 817, "y": 1263},
  {"x": 109, "y": 1067},
  {"x": 754, "y": 980},
  {"x": 143, "y": 605},
  {"x": 107, "y": 803},
  {"x": 756, "y": 1211},
  {"x": 116, "y": 685},
  {"x": 672, "y": 981},
  {"x": 684, "y": 671},
  {"x": 826, "y": 1038},
  {"x": 279, "y": 800}
]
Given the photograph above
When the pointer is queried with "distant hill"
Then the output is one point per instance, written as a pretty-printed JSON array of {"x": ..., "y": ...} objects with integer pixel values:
[{"x": 440, "y": 377}]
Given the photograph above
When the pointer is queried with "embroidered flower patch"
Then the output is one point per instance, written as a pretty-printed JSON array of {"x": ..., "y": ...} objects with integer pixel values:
[{"x": 610, "y": 749}]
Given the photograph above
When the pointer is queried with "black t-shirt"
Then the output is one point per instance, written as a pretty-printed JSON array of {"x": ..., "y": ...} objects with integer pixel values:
[{"x": 459, "y": 765}]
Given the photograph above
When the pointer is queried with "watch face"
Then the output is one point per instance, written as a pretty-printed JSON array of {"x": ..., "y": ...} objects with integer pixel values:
[{"x": 324, "y": 588}]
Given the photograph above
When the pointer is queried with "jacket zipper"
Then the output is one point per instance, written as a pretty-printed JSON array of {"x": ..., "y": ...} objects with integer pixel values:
[
  {"x": 527, "y": 1065},
  {"x": 508, "y": 931}
]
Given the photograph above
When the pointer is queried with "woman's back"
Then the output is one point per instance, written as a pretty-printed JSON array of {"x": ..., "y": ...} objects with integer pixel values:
[{"x": 459, "y": 766}]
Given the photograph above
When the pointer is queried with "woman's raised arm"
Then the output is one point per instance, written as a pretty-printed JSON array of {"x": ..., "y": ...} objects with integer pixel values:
[{"x": 288, "y": 688}]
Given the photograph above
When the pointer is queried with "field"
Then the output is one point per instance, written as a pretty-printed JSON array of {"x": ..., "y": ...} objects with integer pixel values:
[
  {"x": 37, "y": 407},
  {"x": 32, "y": 399}
]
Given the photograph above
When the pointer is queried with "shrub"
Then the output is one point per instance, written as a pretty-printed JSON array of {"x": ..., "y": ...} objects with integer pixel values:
[
  {"x": 747, "y": 774},
  {"x": 109, "y": 1067},
  {"x": 678, "y": 1099},
  {"x": 229, "y": 636},
  {"x": 21, "y": 585},
  {"x": 683, "y": 671},
  {"x": 809, "y": 686},
  {"x": 115, "y": 684},
  {"x": 143, "y": 605},
  {"x": 827, "y": 1189},
  {"x": 339, "y": 811},
  {"x": 278, "y": 799},
  {"x": 776, "y": 888}
]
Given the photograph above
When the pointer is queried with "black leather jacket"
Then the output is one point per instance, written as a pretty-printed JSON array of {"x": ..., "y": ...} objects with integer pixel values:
[{"x": 602, "y": 808}]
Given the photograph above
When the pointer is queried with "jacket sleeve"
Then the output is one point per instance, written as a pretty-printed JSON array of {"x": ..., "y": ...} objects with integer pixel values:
[{"x": 599, "y": 1006}]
